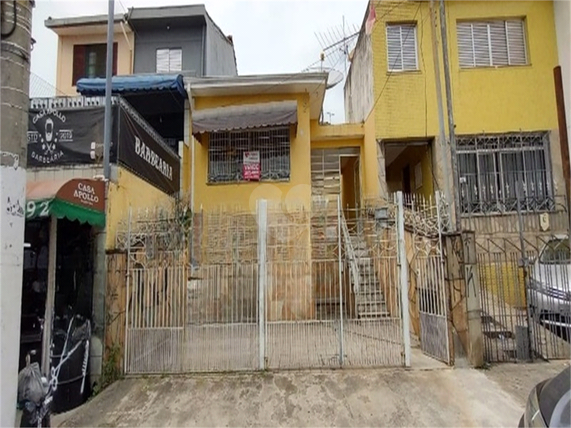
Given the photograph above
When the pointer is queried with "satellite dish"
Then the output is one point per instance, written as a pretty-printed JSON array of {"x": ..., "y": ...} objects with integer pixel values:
[{"x": 334, "y": 76}]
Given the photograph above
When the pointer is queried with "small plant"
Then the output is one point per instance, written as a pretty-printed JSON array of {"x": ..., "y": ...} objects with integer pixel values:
[{"x": 111, "y": 370}]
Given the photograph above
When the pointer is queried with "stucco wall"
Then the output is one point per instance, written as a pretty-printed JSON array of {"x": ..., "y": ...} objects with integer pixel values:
[
  {"x": 129, "y": 191},
  {"x": 64, "y": 71},
  {"x": 359, "y": 97},
  {"x": 189, "y": 39},
  {"x": 220, "y": 59}
]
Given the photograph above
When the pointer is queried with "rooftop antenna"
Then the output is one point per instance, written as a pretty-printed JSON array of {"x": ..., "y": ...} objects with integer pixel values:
[{"x": 337, "y": 42}]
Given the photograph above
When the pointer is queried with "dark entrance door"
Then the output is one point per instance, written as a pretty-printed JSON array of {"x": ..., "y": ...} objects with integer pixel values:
[{"x": 406, "y": 188}]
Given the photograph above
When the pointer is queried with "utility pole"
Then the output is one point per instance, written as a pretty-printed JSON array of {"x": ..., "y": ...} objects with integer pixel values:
[
  {"x": 15, "y": 46},
  {"x": 563, "y": 138},
  {"x": 442, "y": 135},
  {"x": 108, "y": 88},
  {"x": 451, "y": 130}
]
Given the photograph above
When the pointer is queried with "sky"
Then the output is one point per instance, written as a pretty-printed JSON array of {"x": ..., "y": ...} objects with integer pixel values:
[{"x": 270, "y": 36}]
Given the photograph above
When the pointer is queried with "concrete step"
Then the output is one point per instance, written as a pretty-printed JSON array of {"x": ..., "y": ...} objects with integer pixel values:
[
  {"x": 374, "y": 314},
  {"x": 379, "y": 304}
]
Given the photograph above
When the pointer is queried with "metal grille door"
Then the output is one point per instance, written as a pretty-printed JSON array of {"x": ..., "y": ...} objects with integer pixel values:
[{"x": 425, "y": 220}]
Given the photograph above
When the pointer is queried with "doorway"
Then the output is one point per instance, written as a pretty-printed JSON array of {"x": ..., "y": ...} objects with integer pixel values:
[
  {"x": 350, "y": 185},
  {"x": 72, "y": 305}
]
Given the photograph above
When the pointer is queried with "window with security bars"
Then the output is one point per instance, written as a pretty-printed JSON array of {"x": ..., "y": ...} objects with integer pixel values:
[
  {"x": 169, "y": 60},
  {"x": 401, "y": 47},
  {"x": 499, "y": 173},
  {"x": 492, "y": 43},
  {"x": 226, "y": 154}
]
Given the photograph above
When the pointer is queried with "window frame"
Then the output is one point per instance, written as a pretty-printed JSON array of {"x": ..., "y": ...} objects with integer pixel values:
[
  {"x": 390, "y": 68},
  {"x": 495, "y": 199},
  {"x": 253, "y": 144},
  {"x": 80, "y": 60},
  {"x": 488, "y": 22},
  {"x": 169, "y": 50}
]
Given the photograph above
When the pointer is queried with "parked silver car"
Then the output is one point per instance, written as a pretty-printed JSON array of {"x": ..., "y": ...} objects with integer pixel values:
[
  {"x": 549, "y": 403},
  {"x": 549, "y": 291}
]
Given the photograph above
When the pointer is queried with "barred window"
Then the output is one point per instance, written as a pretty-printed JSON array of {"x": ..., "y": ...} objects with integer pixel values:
[
  {"x": 226, "y": 154},
  {"x": 492, "y": 43},
  {"x": 498, "y": 171},
  {"x": 401, "y": 47}
]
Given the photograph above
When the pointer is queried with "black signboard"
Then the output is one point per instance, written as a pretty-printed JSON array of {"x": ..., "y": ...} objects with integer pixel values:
[
  {"x": 142, "y": 154},
  {"x": 66, "y": 137}
]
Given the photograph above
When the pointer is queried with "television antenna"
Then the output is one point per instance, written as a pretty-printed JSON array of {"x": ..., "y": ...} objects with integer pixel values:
[{"x": 337, "y": 43}]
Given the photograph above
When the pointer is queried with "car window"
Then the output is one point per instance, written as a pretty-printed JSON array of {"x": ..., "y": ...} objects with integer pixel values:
[{"x": 556, "y": 251}]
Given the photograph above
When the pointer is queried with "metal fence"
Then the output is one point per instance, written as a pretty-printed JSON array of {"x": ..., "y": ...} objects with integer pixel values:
[
  {"x": 524, "y": 270},
  {"x": 426, "y": 221},
  {"x": 266, "y": 290}
]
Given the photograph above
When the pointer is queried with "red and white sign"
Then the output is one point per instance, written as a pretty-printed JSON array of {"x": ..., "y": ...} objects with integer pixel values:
[{"x": 252, "y": 166}]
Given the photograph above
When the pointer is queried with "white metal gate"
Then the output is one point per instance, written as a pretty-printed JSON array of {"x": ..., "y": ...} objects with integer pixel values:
[
  {"x": 426, "y": 222},
  {"x": 284, "y": 287}
]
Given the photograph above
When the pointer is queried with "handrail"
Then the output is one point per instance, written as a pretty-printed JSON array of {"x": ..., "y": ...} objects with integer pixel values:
[{"x": 350, "y": 253}]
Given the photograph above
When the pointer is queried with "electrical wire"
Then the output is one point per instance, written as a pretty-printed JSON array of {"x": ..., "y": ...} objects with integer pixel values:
[{"x": 391, "y": 69}]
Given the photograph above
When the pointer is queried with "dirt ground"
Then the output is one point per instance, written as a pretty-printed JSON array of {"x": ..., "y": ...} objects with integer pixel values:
[{"x": 382, "y": 397}]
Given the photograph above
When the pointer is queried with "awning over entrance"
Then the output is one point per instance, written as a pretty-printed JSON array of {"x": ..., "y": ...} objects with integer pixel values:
[
  {"x": 142, "y": 83},
  {"x": 244, "y": 116},
  {"x": 80, "y": 199}
]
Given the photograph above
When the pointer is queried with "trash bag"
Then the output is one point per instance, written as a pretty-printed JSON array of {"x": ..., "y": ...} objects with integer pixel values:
[{"x": 30, "y": 384}]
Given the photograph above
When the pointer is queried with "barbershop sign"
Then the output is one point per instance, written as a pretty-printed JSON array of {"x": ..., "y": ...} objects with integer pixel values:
[{"x": 146, "y": 157}]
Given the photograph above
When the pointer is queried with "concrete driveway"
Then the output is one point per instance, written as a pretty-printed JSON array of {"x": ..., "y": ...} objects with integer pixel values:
[{"x": 384, "y": 397}]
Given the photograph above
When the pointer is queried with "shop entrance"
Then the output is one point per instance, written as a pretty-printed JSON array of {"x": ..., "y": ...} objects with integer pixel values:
[{"x": 72, "y": 302}]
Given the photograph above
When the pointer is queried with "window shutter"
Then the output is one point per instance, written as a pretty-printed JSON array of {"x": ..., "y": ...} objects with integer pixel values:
[
  {"x": 401, "y": 47},
  {"x": 394, "y": 48},
  {"x": 78, "y": 63},
  {"x": 516, "y": 42},
  {"x": 493, "y": 43},
  {"x": 114, "y": 59},
  {"x": 408, "y": 36},
  {"x": 498, "y": 43},
  {"x": 175, "y": 60},
  {"x": 465, "y": 45},
  {"x": 162, "y": 60},
  {"x": 481, "y": 44}
]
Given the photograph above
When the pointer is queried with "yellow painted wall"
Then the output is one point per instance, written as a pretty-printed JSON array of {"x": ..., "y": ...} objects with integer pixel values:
[
  {"x": 373, "y": 179},
  {"x": 64, "y": 71},
  {"x": 129, "y": 191},
  {"x": 485, "y": 99},
  {"x": 297, "y": 191}
]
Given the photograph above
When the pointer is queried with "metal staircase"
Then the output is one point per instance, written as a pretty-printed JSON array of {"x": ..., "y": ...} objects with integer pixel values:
[{"x": 369, "y": 299}]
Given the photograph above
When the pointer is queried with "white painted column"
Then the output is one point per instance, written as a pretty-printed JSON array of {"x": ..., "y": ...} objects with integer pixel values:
[
  {"x": 12, "y": 223},
  {"x": 403, "y": 276},
  {"x": 262, "y": 213}
]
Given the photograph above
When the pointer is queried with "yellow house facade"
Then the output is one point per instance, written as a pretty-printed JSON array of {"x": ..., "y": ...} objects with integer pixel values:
[
  {"x": 304, "y": 158},
  {"x": 82, "y": 49},
  {"x": 501, "y": 60}
]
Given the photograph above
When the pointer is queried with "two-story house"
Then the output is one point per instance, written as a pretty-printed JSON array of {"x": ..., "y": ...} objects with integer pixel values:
[
  {"x": 501, "y": 60},
  {"x": 147, "y": 41},
  {"x": 176, "y": 39}
]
